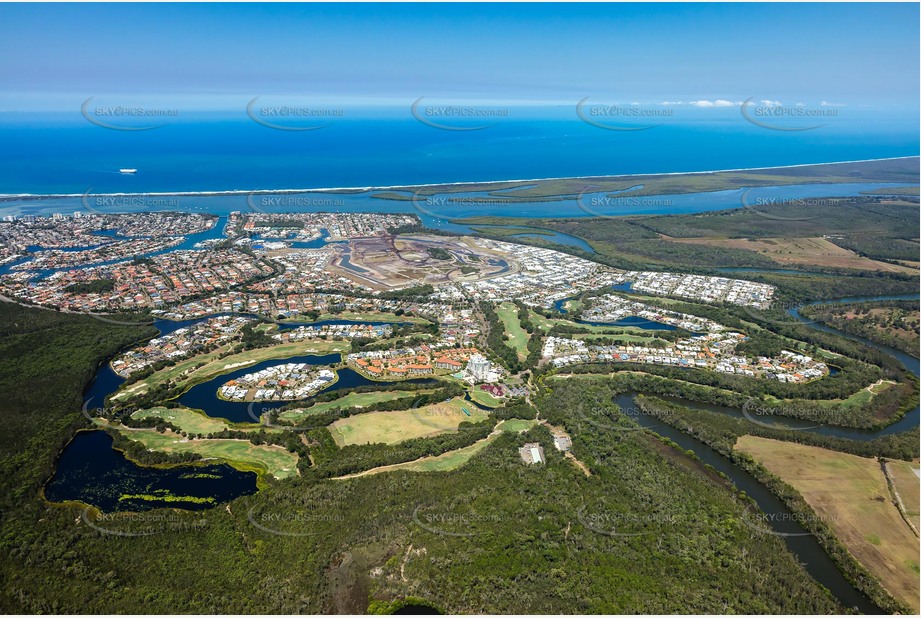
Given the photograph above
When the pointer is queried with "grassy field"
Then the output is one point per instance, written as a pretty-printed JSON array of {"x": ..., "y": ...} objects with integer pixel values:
[
  {"x": 396, "y": 426},
  {"x": 635, "y": 333},
  {"x": 511, "y": 231},
  {"x": 800, "y": 251},
  {"x": 858, "y": 399},
  {"x": 267, "y": 458},
  {"x": 436, "y": 463},
  {"x": 214, "y": 366},
  {"x": 484, "y": 399},
  {"x": 849, "y": 493},
  {"x": 351, "y": 400},
  {"x": 187, "y": 420},
  {"x": 517, "y": 336},
  {"x": 516, "y": 424},
  {"x": 894, "y": 191},
  {"x": 452, "y": 459},
  {"x": 572, "y": 305},
  {"x": 904, "y": 476}
]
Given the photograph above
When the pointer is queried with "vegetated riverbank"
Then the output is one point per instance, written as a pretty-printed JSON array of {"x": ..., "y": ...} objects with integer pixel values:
[
  {"x": 891, "y": 323},
  {"x": 856, "y": 573},
  {"x": 721, "y": 434},
  {"x": 495, "y": 482},
  {"x": 509, "y": 468}
]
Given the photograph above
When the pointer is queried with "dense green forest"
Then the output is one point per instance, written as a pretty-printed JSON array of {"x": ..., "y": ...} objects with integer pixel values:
[
  {"x": 721, "y": 433},
  {"x": 493, "y": 536},
  {"x": 893, "y": 323},
  {"x": 648, "y": 529}
]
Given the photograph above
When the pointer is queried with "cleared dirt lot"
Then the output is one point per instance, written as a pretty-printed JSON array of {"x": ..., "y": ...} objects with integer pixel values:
[{"x": 850, "y": 493}]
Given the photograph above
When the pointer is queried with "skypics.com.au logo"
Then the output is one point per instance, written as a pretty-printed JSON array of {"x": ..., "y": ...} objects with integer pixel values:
[
  {"x": 122, "y": 117},
  {"x": 614, "y": 205},
  {"x": 622, "y": 116},
  {"x": 130, "y": 524},
  {"x": 268, "y": 204},
  {"x": 451, "y": 117},
  {"x": 775, "y": 116},
  {"x": 292, "y": 117},
  {"x": 447, "y": 207}
]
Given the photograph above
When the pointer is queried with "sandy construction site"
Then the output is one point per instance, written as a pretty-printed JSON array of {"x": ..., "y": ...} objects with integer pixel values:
[{"x": 388, "y": 262}]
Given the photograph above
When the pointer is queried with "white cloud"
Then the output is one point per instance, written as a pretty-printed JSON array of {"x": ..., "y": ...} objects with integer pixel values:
[
  {"x": 672, "y": 102},
  {"x": 716, "y": 103},
  {"x": 827, "y": 104},
  {"x": 770, "y": 103}
]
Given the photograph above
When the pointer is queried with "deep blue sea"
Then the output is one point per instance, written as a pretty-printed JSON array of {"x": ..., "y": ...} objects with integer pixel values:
[{"x": 65, "y": 153}]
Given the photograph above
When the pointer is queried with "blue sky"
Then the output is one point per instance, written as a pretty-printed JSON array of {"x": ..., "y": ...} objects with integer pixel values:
[{"x": 211, "y": 56}]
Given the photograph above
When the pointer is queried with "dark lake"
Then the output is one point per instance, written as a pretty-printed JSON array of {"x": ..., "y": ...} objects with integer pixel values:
[{"x": 91, "y": 471}]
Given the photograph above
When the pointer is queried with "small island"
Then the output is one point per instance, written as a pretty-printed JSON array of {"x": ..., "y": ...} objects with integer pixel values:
[{"x": 286, "y": 382}]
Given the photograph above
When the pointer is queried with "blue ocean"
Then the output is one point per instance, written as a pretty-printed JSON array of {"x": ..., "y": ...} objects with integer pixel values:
[{"x": 64, "y": 153}]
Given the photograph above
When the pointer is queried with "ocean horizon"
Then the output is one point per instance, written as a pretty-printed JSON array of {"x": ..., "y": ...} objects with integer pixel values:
[{"x": 65, "y": 153}]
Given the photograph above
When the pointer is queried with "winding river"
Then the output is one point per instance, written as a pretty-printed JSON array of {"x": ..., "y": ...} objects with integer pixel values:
[
  {"x": 782, "y": 521},
  {"x": 81, "y": 473}
]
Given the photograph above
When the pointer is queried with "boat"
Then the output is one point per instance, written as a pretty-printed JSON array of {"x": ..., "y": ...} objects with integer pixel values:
[{"x": 128, "y": 170}]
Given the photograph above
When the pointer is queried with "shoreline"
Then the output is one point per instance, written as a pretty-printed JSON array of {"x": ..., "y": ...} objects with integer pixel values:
[{"x": 6, "y": 197}]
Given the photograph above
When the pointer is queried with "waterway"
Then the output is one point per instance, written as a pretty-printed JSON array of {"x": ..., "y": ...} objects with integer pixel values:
[
  {"x": 89, "y": 470},
  {"x": 438, "y": 209},
  {"x": 802, "y": 544},
  {"x": 781, "y": 520},
  {"x": 633, "y": 321}
]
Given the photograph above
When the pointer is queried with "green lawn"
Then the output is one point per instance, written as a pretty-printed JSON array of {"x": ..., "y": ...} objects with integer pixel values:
[
  {"x": 456, "y": 458},
  {"x": 573, "y": 305},
  {"x": 215, "y": 366},
  {"x": 545, "y": 324},
  {"x": 517, "y": 336},
  {"x": 447, "y": 461},
  {"x": 516, "y": 425},
  {"x": 484, "y": 399},
  {"x": 858, "y": 399},
  {"x": 392, "y": 427},
  {"x": 270, "y": 459},
  {"x": 187, "y": 420},
  {"x": 351, "y": 400}
]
